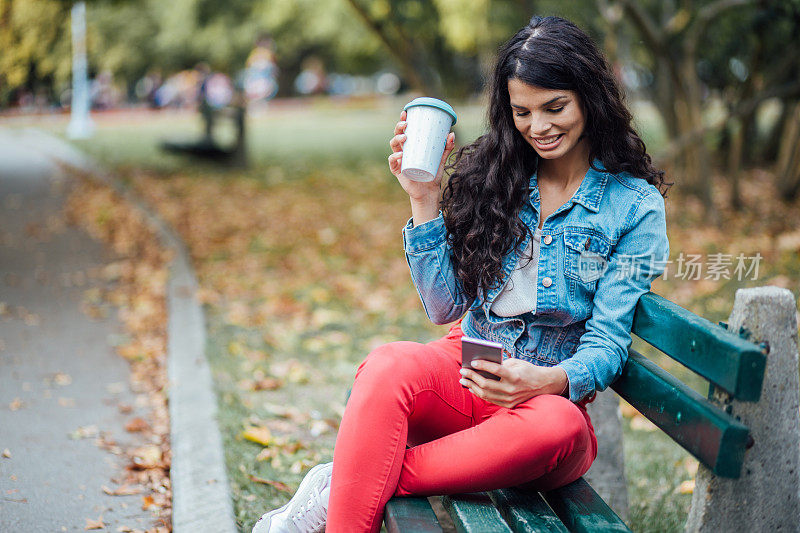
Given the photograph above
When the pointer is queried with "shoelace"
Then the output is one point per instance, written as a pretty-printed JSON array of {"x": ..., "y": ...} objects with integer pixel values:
[{"x": 313, "y": 515}]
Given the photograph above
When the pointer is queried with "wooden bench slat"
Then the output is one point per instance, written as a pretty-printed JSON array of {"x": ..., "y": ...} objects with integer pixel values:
[
  {"x": 474, "y": 513},
  {"x": 583, "y": 510},
  {"x": 526, "y": 511},
  {"x": 715, "y": 438},
  {"x": 411, "y": 515},
  {"x": 725, "y": 359}
]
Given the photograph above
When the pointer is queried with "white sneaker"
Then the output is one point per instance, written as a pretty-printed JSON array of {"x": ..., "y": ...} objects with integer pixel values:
[{"x": 307, "y": 511}]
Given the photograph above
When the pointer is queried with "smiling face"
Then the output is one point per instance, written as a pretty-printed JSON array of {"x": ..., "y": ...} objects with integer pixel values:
[{"x": 550, "y": 120}]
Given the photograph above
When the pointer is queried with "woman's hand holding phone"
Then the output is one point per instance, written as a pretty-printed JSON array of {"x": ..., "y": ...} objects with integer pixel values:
[{"x": 519, "y": 381}]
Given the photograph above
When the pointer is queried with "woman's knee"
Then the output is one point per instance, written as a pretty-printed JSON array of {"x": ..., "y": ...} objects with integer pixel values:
[
  {"x": 556, "y": 421},
  {"x": 393, "y": 360}
]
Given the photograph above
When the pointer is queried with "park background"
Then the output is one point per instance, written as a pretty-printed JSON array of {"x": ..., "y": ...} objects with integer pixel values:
[{"x": 298, "y": 248}]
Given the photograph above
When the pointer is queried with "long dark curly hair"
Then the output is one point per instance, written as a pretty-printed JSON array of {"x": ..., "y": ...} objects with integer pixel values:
[{"x": 489, "y": 178}]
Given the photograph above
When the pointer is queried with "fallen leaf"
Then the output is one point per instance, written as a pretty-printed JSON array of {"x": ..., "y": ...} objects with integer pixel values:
[
  {"x": 298, "y": 466},
  {"x": 136, "y": 425},
  {"x": 124, "y": 490},
  {"x": 148, "y": 502},
  {"x": 62, "y": 379},
  {"x": 318, "y": 427},
  {"x": 276, "y": 484},
  {"x": 258, "y": 434},
  {"x": 84, "y": 432},
  {"x": 627, "y": 410},
  {"x": 281, "y": 426},
  {"x": 687, "y": 487},
  {"x": 32, "y": 319},
  {"x": 95, "y": 524},
  {"x": 267, "y": 454},
  {"x": 261, "y": 384},
  {"x": 293, "y": 370},
  {"x": 288, "y": 411},
  {"x": 691, "y": 464},
  {"x": 235, "y": 348},
  {"x": 7, "y": 453},
  {"x": 16, "y": 404},
  {"x": 66, "y": 402},
  {"x": 146, "y": 457},
  {"x": 640, "y": 423}
]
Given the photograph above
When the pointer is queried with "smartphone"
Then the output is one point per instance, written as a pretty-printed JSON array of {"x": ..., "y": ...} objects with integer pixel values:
[{"x": 472, "y": 348}]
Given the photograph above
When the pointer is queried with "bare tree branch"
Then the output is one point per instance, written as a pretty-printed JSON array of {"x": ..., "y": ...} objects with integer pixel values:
[
  {"x": 400, "y": 50},
  {"x": 655, "y": 39},
  {"x": 705, "y": 16},
  {"x": 676, "y": 147},
  {"x": 650, "y": 31},
  {"x": 713, "y": 10}
]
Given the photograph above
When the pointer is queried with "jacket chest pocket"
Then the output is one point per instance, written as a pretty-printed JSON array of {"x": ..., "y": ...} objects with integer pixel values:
[{"x": 586, "y": 254}]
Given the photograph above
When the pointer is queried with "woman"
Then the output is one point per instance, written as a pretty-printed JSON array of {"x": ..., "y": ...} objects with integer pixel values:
[{"x": 551, "y": 228}]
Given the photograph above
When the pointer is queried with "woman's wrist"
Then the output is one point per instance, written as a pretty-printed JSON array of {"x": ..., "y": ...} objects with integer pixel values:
[
  {"x": 424, "y": 209},
  {"x": 560, "y": 383}
]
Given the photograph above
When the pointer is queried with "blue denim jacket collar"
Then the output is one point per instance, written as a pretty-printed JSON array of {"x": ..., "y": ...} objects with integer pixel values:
[{"x": 589, "y": 193}]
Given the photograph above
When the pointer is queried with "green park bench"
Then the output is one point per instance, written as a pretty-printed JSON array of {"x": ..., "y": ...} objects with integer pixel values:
[
  {"x": 207, "y": 146},
  {"x": 707, "y": 429}
]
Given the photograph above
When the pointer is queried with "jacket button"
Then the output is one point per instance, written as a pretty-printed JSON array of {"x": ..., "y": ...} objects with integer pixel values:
[
  {"x": 547, "y": 282},
  {"x": 547, "y": 239}
]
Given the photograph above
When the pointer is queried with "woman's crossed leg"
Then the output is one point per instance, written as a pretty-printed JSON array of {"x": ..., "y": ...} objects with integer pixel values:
[{"x": 409, "y": 394}]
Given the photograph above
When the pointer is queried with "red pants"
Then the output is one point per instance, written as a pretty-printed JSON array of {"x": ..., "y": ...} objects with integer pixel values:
[{"x": 407, "y": 393}]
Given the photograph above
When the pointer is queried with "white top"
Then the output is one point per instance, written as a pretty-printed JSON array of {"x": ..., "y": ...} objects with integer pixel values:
[{"x": 519, "y": 293}]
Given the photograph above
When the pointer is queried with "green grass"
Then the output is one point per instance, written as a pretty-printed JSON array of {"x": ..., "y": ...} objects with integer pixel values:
[
  {"x": 654, "y": 469},
  {"x": 293, "y": 136}
]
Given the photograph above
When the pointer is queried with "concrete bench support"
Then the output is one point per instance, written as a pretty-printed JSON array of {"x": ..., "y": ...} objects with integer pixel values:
[
  {"x": 767, "y": 495},
  {"x": 607, "y": 474}
]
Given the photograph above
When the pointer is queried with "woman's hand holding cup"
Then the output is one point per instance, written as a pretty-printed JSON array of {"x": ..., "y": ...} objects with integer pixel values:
[
  {"x": 424, "y": 195},
  {"x": 415, "y": 189}
]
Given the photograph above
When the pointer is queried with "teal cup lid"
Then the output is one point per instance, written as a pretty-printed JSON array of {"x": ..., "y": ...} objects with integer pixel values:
[{"x": 432, "y": 102}]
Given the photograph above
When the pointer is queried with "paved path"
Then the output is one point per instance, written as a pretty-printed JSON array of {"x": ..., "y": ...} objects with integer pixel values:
[{"x": 58, "y": 371}]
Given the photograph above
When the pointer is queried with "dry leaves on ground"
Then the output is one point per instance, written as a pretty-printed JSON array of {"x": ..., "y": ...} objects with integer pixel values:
[
  {"x": 136, "y": 286},
  {"x": 274, "y": 255},
  {"x": 91, "y": 523},
  {"x": 277, "y": 484}
]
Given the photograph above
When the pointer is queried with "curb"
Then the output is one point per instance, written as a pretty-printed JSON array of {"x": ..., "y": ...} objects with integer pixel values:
[{"x": 201, "y": 499}]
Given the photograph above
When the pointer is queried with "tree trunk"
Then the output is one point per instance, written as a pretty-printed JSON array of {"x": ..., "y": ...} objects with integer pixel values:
[
  {"x": 735, "y": 162},
  {"x": 665, "y": 96},
  {"x": 692, "y": 160},
  {"x": 690, "y": 118},
  {"x": 788, "y": 167},
  {"x": 776, "y": 133},
  {"x": 751, "y": 152}
]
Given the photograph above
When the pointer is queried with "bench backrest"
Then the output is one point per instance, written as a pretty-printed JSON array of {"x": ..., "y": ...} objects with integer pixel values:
[{"x": 726, "y": 360}]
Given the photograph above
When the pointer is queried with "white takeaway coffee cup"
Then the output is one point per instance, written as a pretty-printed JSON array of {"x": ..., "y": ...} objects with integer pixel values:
[{"x": 428, "y": 122}]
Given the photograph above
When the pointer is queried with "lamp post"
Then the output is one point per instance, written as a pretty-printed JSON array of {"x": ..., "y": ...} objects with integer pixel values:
[{"x": 80, "y": 123}]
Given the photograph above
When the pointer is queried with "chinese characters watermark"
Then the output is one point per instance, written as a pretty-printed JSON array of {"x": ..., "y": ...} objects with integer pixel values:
[{"x": 715, "y": 267}]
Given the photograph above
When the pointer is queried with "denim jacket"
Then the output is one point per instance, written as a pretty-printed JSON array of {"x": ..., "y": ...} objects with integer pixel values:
[{"x": 599, "y": 253}]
